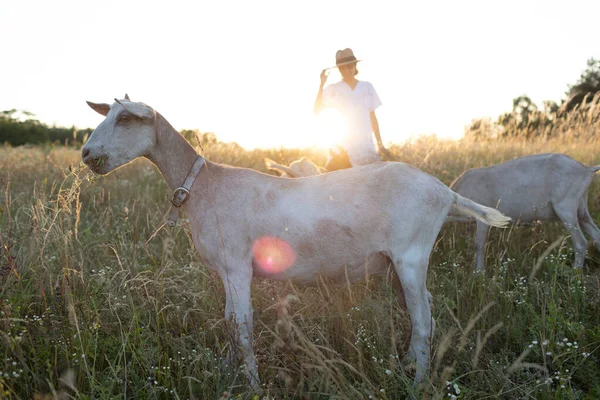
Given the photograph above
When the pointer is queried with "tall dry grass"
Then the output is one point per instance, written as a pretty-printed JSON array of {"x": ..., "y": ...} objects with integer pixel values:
[{"x": 97, "y": 302}]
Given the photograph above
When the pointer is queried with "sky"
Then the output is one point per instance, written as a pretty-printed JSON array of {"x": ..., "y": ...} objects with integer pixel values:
[{"x": 249, "y": 70}]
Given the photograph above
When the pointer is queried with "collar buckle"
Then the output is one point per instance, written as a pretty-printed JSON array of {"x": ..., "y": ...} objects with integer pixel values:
[{"x": 179, "y": 196}]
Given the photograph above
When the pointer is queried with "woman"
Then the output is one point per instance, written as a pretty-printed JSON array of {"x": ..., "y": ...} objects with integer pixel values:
[{"x": 356, "y": 101}]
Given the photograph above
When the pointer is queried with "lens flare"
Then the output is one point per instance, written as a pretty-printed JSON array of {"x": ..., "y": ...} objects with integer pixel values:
[{"x": 273, "y": 255}]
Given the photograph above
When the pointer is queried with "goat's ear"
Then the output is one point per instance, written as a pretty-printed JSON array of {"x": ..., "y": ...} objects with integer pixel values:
[
  {"x": 127, "y": 97},
  {"x": 140, "y": 110},
  {"x": 100, "y": 108}
]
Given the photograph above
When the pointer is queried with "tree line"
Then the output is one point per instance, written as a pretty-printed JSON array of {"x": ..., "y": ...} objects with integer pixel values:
[
  {"x": 527, "y": 121},
  {"x": 22, "y": 127}
]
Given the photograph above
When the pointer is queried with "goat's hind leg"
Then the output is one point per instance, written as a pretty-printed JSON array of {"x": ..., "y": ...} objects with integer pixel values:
[
  {"x": 411, "y": 268},
  {"x": 568, "y": 216},
  {"x": 588, "y": 225},
  {"x": 400, "y": 292}
]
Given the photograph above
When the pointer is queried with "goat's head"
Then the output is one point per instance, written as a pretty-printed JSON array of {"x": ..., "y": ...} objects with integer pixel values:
[
  {"x": 126, "y": 133},
  {"x": 338, "y": 159}
]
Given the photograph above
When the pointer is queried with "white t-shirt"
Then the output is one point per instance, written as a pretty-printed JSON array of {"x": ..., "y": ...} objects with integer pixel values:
[{"x": 356, "y": 107}]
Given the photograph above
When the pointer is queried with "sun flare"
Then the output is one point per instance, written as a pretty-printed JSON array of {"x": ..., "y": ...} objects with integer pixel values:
[{"x": 330, "y": 128}]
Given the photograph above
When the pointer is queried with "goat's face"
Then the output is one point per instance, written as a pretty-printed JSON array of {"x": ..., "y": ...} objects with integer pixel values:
[{"x": 126, "y": 133}]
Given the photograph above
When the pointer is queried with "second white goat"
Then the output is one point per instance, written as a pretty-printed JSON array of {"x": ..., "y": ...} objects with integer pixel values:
[{"x": 543, "y": 187}]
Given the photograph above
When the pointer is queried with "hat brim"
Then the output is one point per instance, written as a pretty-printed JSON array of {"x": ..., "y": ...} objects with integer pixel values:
[{"x": 344, "y": 63}]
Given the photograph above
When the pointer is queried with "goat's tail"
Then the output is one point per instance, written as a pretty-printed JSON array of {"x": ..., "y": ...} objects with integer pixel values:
[
  {"x": 595, "y": 168},
  {"x": 272, "y": 165},
  {"x": 468, "y": 208}
]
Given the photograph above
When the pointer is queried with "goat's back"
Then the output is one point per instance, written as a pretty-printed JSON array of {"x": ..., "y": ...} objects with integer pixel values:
[{"x": 526, "y": 187}]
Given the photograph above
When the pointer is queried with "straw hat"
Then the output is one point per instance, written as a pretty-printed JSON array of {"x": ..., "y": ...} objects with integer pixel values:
[{"x": 344, "y": 57}]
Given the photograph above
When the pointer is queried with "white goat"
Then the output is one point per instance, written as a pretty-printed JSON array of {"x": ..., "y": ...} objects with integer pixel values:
[
  {"x": 297, "y": 169},
  {"x": 541, "y": 187},
  {"x": 248, "y": 224}
]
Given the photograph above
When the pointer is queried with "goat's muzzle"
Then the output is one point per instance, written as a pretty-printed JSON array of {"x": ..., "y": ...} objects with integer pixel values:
[{"x": 95, "y": 163}]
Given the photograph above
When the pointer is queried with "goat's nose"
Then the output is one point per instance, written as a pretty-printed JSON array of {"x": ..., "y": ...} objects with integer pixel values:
[{"x": 85, "y": 152}]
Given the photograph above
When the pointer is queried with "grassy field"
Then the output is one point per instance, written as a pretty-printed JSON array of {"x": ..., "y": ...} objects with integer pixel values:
[{"x": 97, "y": 302}]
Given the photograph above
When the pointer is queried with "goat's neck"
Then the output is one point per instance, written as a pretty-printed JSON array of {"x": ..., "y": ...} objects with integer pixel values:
[{"x": 172, "y": 154}]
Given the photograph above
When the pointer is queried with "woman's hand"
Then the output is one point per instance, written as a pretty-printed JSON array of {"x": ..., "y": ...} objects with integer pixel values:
[
  {"x": 387, "y": 155},
  {"x": 324, "y": 75}
]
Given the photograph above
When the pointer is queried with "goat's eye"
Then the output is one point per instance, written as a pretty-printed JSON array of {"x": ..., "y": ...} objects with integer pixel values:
[{"x": 124, "y": 118}]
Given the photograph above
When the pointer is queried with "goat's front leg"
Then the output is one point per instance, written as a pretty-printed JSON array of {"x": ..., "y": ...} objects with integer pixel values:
[{"x": 238, "y": 313}]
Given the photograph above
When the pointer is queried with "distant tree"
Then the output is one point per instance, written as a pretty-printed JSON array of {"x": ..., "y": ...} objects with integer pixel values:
[
  {"x": 586, "y": 87},
  {"x": 526, "y": 121},
  {"x": 524, "y": 110},
  {"x": 480, "y": 129},
  {"x": 194, "y": 136},
  {"x": 550, "y": 107}
]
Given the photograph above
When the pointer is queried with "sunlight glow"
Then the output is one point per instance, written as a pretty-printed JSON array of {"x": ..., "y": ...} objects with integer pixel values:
[
  {"x": 255, "y": 81},
  {"x": 330, "y": 128}
]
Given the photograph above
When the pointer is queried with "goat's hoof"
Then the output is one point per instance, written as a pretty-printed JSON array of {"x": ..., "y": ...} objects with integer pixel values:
[{"x": 408, "y": 365}]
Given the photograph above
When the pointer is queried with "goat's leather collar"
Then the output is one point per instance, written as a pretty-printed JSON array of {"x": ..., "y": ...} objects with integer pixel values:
[{"x": 181, "y": 194}]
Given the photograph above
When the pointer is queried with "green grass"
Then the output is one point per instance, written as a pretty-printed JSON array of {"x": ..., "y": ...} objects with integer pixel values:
[{"x": 96, "y": 302}]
